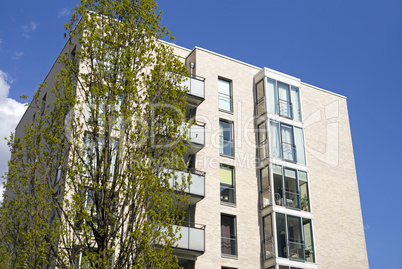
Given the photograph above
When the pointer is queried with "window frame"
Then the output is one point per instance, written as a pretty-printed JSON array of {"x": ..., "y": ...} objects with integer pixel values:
[
  {"x": 231, "y": 237},
  {"x": 269, "y": 238},
  {"x": 297, "y": 145},
  {"x": 283, "y": 195},
  {"x": 263, "y": 189},
  {"x": 225, "y": 96},
  {"x": 286, "y": 251},
  {"x": 222, "y": 138},
  {"x": 231, "y": 188},
  {"x": 260, "y": 101},
  {"x": 291, "y": 89},
  {"x": 262, "y": 145}
]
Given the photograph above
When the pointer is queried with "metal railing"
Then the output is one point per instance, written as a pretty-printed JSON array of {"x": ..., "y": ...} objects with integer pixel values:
[
  {"x": 195, "y": 85},
  {"x": 292, "y": 199},
  {"x": 289, "y": 152},
  {"x": 197, "y": 186},
  {"x": 268, "y": 245},
  {"x": 229, "y": 245},
  {"x": 197, "y": 133},
  {"x": 296, "y": 249},
  {"x": 260, "y": 107},
  {"x": 228, "y": 194},
  {"x": 226, "y": 147},
  {"x": 192, "y": 236},
  {"x": 285, "y": 108}
]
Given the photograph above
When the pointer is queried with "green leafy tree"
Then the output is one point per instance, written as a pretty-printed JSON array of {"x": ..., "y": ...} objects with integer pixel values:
[{"x": 91, "y": 181}]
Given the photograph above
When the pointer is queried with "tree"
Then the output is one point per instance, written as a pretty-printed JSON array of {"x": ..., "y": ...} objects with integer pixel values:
[{"x": 91, "y": 182}]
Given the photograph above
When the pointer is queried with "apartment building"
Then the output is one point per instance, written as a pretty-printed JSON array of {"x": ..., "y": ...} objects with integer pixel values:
[
  {"x": 273, "y": 176},
  {"x": 277, "y": 163}
]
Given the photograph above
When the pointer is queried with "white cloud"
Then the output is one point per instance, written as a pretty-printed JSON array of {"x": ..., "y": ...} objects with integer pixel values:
[
  {"x": 27, "y": 29},
  {"x": 63, "y": 12},
  {"x": 11, "y": 112},
  {"x": 17, "y": 54}
]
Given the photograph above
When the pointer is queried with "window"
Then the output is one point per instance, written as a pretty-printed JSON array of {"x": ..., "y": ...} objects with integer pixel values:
[
  {"x": 290, "y": 188},
  {"x": 283, "y": 99},
  {"x": 43, "y": 104},
  {"x": 225, "y": 95},
  {"x": 260, "y": 98},
  {"x": 265, "y": 189},
  {"x": 281, "y": 235},
  {"x": 288, "y": 145},
  {"x": 304, "y": 195},
  {"x": 292, "y": 197},
  {"x": 226, "y": 138},
  {"x": 73, "y": 55},
  {"x": 294, "y": 237},
  {"x": 58, "y": 174},
  {"x": 228, "y": 235},
  {"x": 226, "y": 176},
  {"x": 287, "y": 142},
  {"x": 268, "y": 240},
  {"x": 308, "y": 240},
  {"x": 262, "y": 141},
  {"x": 95, "y": 161}
]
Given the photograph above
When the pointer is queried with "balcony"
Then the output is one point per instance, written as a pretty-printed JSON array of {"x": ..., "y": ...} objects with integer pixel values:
[
  {"x": 196, "y": 89},
  {"x": 197, "y": 188},
  {"x": 197, "y": 138},
  {"x": 192, "y": 238}
]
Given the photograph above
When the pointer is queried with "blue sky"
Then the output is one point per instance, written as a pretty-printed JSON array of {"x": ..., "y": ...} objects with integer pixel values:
[{"x": 353, "y": 48}]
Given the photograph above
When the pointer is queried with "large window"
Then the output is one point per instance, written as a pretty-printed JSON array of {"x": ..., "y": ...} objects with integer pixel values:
[
  {"x": 303, "y": 187},
  {"x": 283, "y": 99},
  {"x": 291, "y": 188},
  {"x": 225, "y": 95},
  {"x": 228, "y": 235},
  {"x": 262, "y": 141},
  {"x": 287, "y": 142},
  {"x": 265, "y": 189},
  {"x": 308, "y": 240},
  {"x": 268, "y": 240},
  {"x": 260, "y": 98},
  {"x": 226, "y": 175},
  {"x": 226, "y": 137},
  {"x": 294, "y": 237}
]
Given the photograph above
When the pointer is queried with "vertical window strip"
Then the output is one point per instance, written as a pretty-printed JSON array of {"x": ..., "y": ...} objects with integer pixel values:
[
  {"x": 226, "y": 137},
  {"x": 225, "y": 95}
]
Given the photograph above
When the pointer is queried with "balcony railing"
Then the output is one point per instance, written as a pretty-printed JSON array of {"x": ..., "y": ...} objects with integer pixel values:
[
  {"x": 229, "y": 245},
  {"x": 192, "y": 237},
  {"x": 296, "y": 249},
  {"x": 268, "y": 248},
  {"x": 285, "y": 108},
  {"x": 289, "y": 152},
  {"x": 197, "y": 133},
  {"x": 197, "y": 186},
  {"x": 196, "y": 89},
  {"x": 292, "y": 199}
]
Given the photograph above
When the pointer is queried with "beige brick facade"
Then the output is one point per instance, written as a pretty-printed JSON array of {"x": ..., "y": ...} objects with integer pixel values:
[{"x": 339, "y": 240}]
